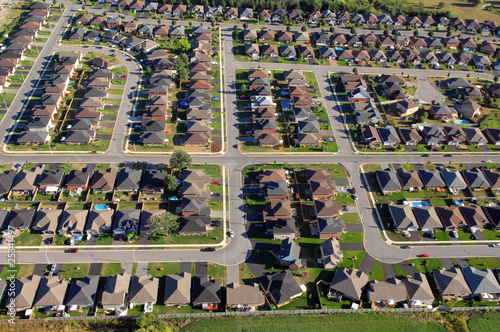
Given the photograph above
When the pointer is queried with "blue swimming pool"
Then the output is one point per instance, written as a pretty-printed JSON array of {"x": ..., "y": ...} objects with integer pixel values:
[
  {"x": 419, "y": 204},
  {"x": 463, "y": 122},
  {"x": 459, "y": 203},
  {"x": 285, "y": 105},
  {"x": 100, "y": 207}
]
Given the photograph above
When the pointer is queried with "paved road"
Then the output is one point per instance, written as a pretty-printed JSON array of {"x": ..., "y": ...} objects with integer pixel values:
[{"x": 239, "y": 247}]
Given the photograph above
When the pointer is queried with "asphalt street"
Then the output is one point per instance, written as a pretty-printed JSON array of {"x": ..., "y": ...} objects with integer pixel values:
[{"x": 239, "y": 247}]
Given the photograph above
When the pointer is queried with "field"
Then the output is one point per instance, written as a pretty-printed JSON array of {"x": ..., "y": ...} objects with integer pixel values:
[
  {"x": 463, "y": 9},
  {"x": 369, "y": 322}
]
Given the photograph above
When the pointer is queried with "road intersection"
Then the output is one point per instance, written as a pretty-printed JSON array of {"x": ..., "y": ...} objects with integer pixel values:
[{"x": 239, "y": 247}]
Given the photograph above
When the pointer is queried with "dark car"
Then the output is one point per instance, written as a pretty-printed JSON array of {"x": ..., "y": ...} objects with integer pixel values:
[
  {"x": 73, "y": 250},
  {"x": 425, "y": 155},
  {"x": 210, "y": 249}
]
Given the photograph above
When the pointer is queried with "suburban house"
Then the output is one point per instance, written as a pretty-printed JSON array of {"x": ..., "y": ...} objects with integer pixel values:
[
  {"x": 152, "y": 181},
  {"x": 128, "y": 180},
  {"x": 431, "y": 179},
  {"x": 419, "y": 290},
  {"x": 474, "y": 217},
  {"x": 82, "y": 293},
  {"x": 493, "y": 178},
  {"x": 77, "y": 180},
  {"x": 26, "y": 182},
  {"x": 126, "y": 221},
  {"x": 453, "y": 180},
  {"x": 143, "y": 291},
  {"x": 17, "y": 220},
  {"x": 482, "y": 283},
  {"x": 177, "y": 289},
  {"x": 277, "y": 209},
  {"x": 329, "y": 227},
  {"x": 347, "y": 284},
  {"x": 103, "y": 181},
  {"x": 403, "y": 218},
  {"x": 115, "y": 294},
  {"x": 281, "y": 228},
  {"x": 206, "y": 293},
  {"x": 331, "y": 254},
  {"x": 409, "y": 180},
  {"x": 51, "y": 293},
  {"x": 72, "y": 222},
  {"x": 434, "y": 136},
  {"x": 388, "y": 181},
  {"x": 99, "y": 221},
  {"x": 24, "y": 292},
  {"x": 451, "y": 217},
  {"x": 281, "y": 288},
  {"x": 244, "y": 297},
  {"x": 451, "y": 284},
  {"x": 410, "y": 136},
  {"x": 493, "y": 214},
  {"x": 46, "y": 221},
  {"x": 388, "y": 293},
  {"x": 475, "y": 179},
  {"x": 427, "y": 218},
  {"x": 289, "y": 254}
]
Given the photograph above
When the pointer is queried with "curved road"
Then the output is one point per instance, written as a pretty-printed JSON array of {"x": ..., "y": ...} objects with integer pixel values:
[{"x": 239, "y": 247}]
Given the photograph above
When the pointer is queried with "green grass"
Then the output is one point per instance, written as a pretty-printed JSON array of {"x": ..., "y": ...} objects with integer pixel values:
[
  {"x": 213, "y": 237},
  {"x": 75, "y": 270},
  {"x": 442, "y": 236},
  {"x": 118, "y": 92},
  {"x": 161, "y": 269},
  {"x": 424, "y": 265},
  {"x": 358, "y": 322},
  {"x": 109, "y": 269},
  {"x": 484, "y": 262},
  {"x": 400, "y": 273},
  {"x": 218, "y": 272},
  {"x": 352, "y": 259},
  {"x": 377, "y": 273},
  {"x": 351, "y": 218},
  {"x": 352, "y": 237},
  {"x": 20, "y": 271},
  {"x": 120, "y": 71},
  {"x": 26, "y": 238},
  {"x": 214, "y": 170},
  {"x": 485, "y": 322}
]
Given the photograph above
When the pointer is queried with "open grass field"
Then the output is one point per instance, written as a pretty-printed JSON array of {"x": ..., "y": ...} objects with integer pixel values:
[
  {"x": 464, "y": 9},
  {"x": 315, "y": 323}
]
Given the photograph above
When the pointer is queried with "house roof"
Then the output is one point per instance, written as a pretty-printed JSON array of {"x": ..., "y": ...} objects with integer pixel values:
[
  {"x": 390, "y": 289},
  {"x": 250, "y": 295},
  {"x": 427, "y": 217},
  {"x": 409, "y": 179},
  {"x": 27, "y": 180},
  {"x": 6, "y": 181},
  {"x": 115, "y": 290},
  {"x": 327, "y": 208},
  {"x": 493, "y": 177},
  {"x": 388, "y": 180},
  {"x": 493, "y": 214},
  {"x": 143, "y": 289},
  {"x": 475, "y": 178},
  {"x": 47, "y": 220},
  {"x": 276, "y": 208},
  {"x": 193, "y": 224},
  {"x": 349, "y": 282},
  {"x": 77, "y": 178},
  {"x": 284, "y": 227},
  {"x": 25, "y": 290},
  {"x": 128, "y": 179},
  {"x": 474, "y": 215},
  {"x": 51, "y": 177},
  {"x": 178, "y": 288},
  {"x": 431, "y": 178},
  {"x": 98, "y": 219},
  {"x": 402, "y": 216},
  {"x": 127, "y": 219},
  {"x": 289, "y": 251},
  {"x": 450, "y": 216},
  {"x": 330, "y": 225},
  {"x": 18, "y": 219},
  {"x": 453, "y": 179},
  {"x": 104, "y": 180},
  {"x": 481, "y": 281},
  {"x": 418, "y": 288},
  {"x": 205, "y": 290},
  {"x": 83, "y": 292},
  {"x": 73, "y": 220},
  {"x": 51, "y": 291},
  {"x": 281, "y": 286},
  {"x": 331, "y": 253},
  {"x": 451, "y": 282}
]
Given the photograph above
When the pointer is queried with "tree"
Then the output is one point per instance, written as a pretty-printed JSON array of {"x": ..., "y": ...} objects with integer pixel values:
[
  {"x": 386, "y": 32},
  {"x": 353, "y": 31},
  {"x": 245, "y": 25},
  {"x": 159, "y": 21},
  {"x": 170, "y": 182},
  {"x": 441, "y": 5},
  {"x": 332, "y": 29},
  {"x": 180, "y": 159},
  {"x": 164, "y": 223},
  {"x": 304, "y": 28},
  {"x": 182, "y": 45},
  {"x": 355, "y": 70},
  {"x": 394, "y": 32},
  {"x": 179, "y": 63},
  {"x": 448, "y": 33},
  {"x": 183, "y": 74},
  {"x": 415, "y": 33},
  {"x": 431, "y": 34},
  {"x": 150, "y": 323}
]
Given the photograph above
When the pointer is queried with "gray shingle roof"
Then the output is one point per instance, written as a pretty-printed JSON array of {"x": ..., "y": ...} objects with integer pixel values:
[{"x": 83, "y": 292}]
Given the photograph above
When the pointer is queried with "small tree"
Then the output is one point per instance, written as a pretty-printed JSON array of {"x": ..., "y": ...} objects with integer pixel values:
[
  {"x": 170, "y": 182},
  {"x": 180, "y": 159},
  {"x": 355, "y": 70},
  {"x": 150, "y": 323},
  {"x": 164, "y": 223},
  {"x": 332, "y": 29},
  {"x": 245, "y": 25},
  {"x": 415, "y": 33},
  {"x": 304, "y": 28}
]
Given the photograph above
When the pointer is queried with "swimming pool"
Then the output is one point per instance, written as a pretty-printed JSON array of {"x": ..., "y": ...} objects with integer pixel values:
[
  {"x": 463, "y": 122},
  {"x": 419, "y": 204},
  {"x": 100, "y": 207},
  {"x": 459, "y": 203},
  {"x": 285, "y": 105}
]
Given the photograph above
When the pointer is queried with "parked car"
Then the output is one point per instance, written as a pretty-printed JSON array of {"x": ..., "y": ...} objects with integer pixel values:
[
  {"x": 406, "y": 247},
  {"x": 455, "y": 234},
  {"x": 73, "y": 250},
  {"x": 53, "y": 267},
  {"x": 355, "y": 196},
  {"x": 231, "y": 234},
  {"x": 215, "y": 182},
  {"x": 210, "y": 249},
  {"x": 424, "y": 256},
  {"x": 353, "y": 190},
  {"x": 494, "y": 245}
]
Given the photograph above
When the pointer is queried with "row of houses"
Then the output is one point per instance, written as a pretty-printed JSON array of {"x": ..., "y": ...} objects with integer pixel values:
[
  {"x": 452, "y": 284},
  {"x": 474, "y": 179},
  {"x": 21, "y": 40}
]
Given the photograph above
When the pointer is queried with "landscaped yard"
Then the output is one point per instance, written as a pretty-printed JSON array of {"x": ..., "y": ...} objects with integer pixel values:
[
  {"x": 109, "y": 269},
  {"x": 75, "y": 270}
]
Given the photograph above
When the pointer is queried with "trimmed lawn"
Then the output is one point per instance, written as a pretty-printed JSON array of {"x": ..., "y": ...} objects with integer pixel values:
[
  {"x": 27, "y": 238},
  {"x": 109, "y": 269},
  {"x": 20, "y": 270},
  {"x": 75, "y": 270},
  {"x": 351, "y": 218},
  {"x": 484, "y": 262},
  {"x": 161, "y": 269},
  {"x": 352, "y": 259},
  {"x": 218, "y": 272},
  {"x": 424, "y": 265},
  {"x": 377, "y": 273},
  {"x": 352, "y": 237}
]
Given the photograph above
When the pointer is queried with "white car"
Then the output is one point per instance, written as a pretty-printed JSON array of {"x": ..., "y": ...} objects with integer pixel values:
[
  {"x": 487, "y": 161},
  {"x": 231, "y": 234},
  {"x": 494, "y": 245},
  {"x": 53, "y": 267}
]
